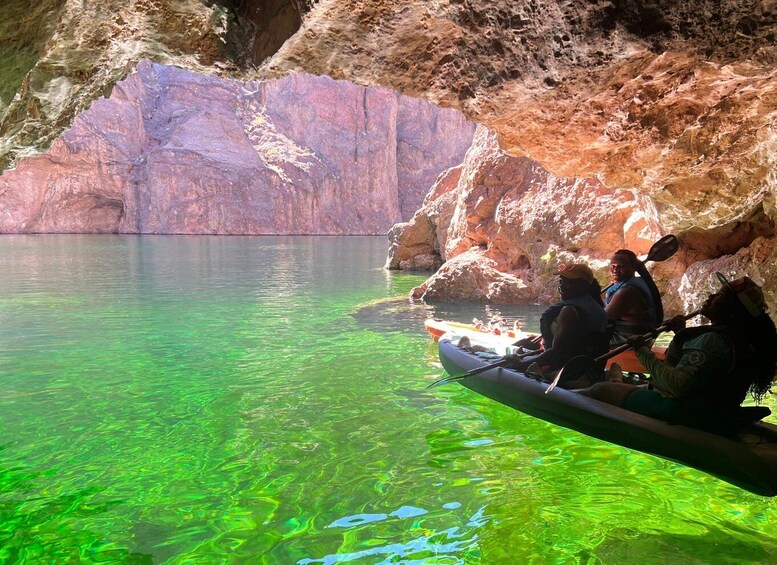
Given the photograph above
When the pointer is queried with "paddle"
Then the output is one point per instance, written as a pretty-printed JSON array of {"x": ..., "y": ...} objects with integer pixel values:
[
  {"x": 460, "y": 376},
  {"x": 577, "y": 366},
  {"x": 527, "y": 340},
  {"x": 661, "y": 250}
]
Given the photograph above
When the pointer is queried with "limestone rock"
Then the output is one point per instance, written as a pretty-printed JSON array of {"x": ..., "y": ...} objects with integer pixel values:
[
  {"x": 523, "y": 219},
  {"x": 473, "y": 277},
  {"x": 416, "y": 245},
  {"x": 758, "y": 261}
]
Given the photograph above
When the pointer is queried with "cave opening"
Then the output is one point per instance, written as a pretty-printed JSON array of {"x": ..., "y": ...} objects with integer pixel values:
[{"x": 272, "y": 23}]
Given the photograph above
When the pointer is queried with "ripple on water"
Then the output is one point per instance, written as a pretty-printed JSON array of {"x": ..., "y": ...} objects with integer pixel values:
[{"x": 198, "y": 400}]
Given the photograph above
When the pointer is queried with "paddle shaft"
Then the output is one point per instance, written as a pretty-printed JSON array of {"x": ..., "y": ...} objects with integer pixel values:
[
  {"x": 625, "y": 347},
  {"x": 473, "y": 372}
]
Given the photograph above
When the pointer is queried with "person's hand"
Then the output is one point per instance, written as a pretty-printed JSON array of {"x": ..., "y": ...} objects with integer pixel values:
[
  {"x": 637, "y": 341},
  {"x": 675, "y": 324},
  {"x": 514, "y": 361}
]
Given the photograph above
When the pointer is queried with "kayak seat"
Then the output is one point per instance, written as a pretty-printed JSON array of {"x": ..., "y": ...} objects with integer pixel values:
[
  {"x": 742, "y": 418},
  {"x": 723, "y": 423}
]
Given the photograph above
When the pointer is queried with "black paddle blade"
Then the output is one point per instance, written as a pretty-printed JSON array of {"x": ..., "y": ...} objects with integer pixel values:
[
  {"x": 572, "y": 369},
  {"x": 664, "y": 248}
]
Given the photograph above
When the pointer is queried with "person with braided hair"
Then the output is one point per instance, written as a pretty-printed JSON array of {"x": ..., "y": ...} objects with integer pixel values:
[
  {"x": 708, "y": 371},
  {"x": 633, "y": 303}
]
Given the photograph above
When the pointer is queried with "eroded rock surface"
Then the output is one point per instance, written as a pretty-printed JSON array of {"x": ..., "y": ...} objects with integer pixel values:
[
  {"x": 514, "y": 216},
  {"x": 671, "y": 102},
  {"x": 173, "y": 151}
]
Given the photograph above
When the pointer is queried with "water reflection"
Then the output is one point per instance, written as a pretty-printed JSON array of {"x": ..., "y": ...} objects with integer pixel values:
[{"x": 399, "y": 314}]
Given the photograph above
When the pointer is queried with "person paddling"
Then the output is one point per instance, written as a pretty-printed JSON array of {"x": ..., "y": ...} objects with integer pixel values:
[
  {"x": 708, "y": 370},
  {"x": 576, "y": 325},
  {"x": 633, "y": 303}
]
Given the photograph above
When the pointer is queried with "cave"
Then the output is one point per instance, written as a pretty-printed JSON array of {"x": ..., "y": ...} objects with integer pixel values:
[{"x": 272, "y": 22}]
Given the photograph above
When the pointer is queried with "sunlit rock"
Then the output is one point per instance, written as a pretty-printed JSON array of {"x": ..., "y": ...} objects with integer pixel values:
[
  {"x": 523, "y": 219},
  {"x": 473, "y": 277},
  {"x": 173, "y": 151}
]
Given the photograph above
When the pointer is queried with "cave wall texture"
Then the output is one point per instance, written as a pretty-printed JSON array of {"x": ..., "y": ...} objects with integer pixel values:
[{"x": 652, "y": 116}]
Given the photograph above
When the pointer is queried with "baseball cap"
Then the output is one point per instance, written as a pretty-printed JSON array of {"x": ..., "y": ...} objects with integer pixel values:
[
  {"x": 749, "y": 294},
  {"x": 577, "y": 271}
]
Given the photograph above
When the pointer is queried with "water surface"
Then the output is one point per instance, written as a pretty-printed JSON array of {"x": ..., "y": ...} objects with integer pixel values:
[{"x": 262, "y": 400}]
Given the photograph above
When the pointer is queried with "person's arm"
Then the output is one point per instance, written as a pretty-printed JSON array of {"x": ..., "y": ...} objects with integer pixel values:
[
  {"x": 674, "y": 382},
  {"x": 623, "y": 301},
  {"x": 701, "y": 359}
]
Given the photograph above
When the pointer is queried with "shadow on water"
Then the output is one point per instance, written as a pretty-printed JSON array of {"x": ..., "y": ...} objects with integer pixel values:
[
  {"x": 400, "y": 314},
  {"x": 687, "y": 548}
]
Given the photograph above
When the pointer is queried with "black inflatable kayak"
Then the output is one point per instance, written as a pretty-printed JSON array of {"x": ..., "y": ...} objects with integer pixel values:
[{"x": 747, "y": 459}]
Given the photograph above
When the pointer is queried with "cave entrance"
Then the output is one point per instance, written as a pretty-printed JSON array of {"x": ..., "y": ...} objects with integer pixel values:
[{"x": 274, "y": 21}]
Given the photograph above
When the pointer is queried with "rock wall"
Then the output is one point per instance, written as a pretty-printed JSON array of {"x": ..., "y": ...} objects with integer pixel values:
[
  {"x": 173, "y": 151},
  {"x": 671, "y": 102},
  {"x": 498, "y": 213}
]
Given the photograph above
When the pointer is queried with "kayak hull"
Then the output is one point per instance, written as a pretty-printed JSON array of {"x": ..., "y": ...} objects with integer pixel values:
[{"x": 748, "y": 460}]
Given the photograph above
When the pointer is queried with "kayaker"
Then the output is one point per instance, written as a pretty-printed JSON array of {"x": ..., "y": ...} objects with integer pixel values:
[
  {"x": 633, "y": 303},
  {"x": 708, "y": 370},
  {"x": 576, "y": 325}
]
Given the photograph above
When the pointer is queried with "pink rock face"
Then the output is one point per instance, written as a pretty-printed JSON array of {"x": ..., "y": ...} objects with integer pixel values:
[{"x": 177, "y": 152}]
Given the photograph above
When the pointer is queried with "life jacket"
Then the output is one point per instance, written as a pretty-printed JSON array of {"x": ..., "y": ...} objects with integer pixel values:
[
  {"x": 594, "y": 321},
  {"x": 725, "y": 391},
  {"x": 639, "y": 283},
  {"x": 546, "y": 321}
]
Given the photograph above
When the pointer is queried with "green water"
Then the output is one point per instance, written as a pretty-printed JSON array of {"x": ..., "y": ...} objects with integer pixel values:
[{"x": 257, "y": 400}]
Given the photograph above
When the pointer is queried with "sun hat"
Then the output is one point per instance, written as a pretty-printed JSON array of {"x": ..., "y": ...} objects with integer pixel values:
[
  {"x": 576, "y": 271},
  {"x": 747, "y": 291}
]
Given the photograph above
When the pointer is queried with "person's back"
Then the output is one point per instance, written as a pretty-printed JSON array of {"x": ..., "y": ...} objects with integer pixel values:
[
  {"x": 723, "y": 356},
  {"x": 576, "y": 325}
]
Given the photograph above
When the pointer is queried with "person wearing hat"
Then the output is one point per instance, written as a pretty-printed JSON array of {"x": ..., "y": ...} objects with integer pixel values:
[
  {"x": 633, "y": 303},
  {"x": 576, "y": 325},
  {"x": 708, "y": 370}
]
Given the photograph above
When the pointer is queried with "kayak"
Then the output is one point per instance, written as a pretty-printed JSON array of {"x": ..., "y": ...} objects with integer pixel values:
[
  {"x": 501, "y": 340},
  {"x": 747, "y": 459},
  {"x": 438, "y": 328}
]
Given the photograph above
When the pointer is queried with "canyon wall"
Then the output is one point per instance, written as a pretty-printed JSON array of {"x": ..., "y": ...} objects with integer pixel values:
[
  {"x": 176, "y": 152},
  {"x": 662, "y": 111}
]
